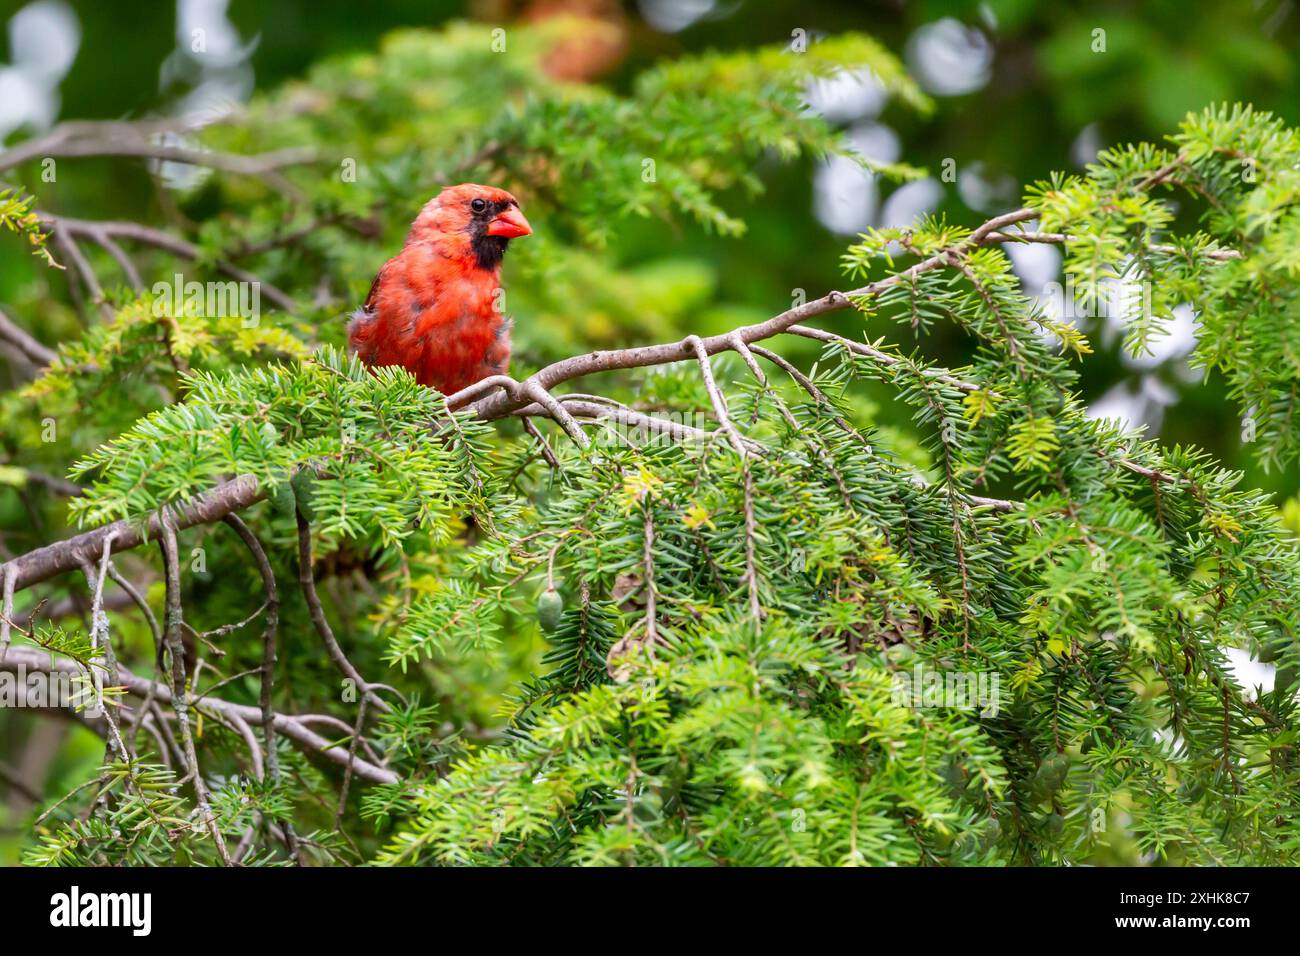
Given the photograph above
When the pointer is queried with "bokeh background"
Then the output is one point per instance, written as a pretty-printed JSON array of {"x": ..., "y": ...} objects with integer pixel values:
[{"x": 1020, "y": 91}]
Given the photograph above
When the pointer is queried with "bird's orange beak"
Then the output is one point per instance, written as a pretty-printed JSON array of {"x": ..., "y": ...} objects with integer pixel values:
[{"x": 510, "y": 224}]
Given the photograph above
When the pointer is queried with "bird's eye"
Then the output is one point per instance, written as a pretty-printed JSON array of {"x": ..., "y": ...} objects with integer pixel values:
[{"x": 478, "y": 205}]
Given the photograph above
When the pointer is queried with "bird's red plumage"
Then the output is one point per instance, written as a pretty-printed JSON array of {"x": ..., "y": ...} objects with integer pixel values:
[{"x": 435, "y": 308}]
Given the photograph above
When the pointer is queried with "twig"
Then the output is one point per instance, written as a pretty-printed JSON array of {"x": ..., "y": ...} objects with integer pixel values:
[
  {"x": 626, "y": 416},
  {"x": 154, "y": 629},
  {"x": 181, "y": 704},
  {"x": 321, "y": 623},
  {"x": 715, "y": 395},
  {"x": 8, "y": 573},
  {"x": 616, "y": 664},
  {"x": 648, "y": 567},
  {"x": 16, "y": 782},
  {"x": 747, "y": 353},
  {"x": 352, "y": 754},
  {"x": 884, "y": 358},
  {"x": 60, "y": 486},
  {"x": 65, "y": 147},
  {"x": 100, "y": 640},
  {"x": 97, "y": 229},
  {"x": 270, "y": 634},
  {"x": 63, "y": 238},
  {"x": 40, "y": 355},
  {"x": 542, "y": 444},
  {"x": 295, "y": 727},
  {"x": 720, "y": 409},
  {"x": 123, "y": 261}
]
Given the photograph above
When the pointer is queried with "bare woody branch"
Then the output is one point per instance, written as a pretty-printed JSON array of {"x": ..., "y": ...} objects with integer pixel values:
[
  {"x": 104, "y": 232},
  {"x": 126, "y": 141},
  {"x": 307, "y": 580},
  {"x": 270, "y": 634},
  {"x": 38, "y": 354},
  {"x": 295, "y": 727},
  {"x": 495, "y": 406},
  {"x": 724, "y": 419},
  {"x": 69, "y": 554},
  {"x": 180, "y": 695}
]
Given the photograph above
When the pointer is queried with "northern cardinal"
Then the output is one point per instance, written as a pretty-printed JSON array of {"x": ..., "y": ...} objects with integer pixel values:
[{"x": 435, "y": 308}]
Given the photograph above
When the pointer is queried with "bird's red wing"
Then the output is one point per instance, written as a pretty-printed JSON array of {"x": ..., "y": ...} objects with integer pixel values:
[
  {"x": 370, "y": 296},
  {"x": 362, "y": 323}
]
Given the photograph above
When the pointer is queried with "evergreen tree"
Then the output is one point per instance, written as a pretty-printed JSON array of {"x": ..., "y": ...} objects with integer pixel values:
[{"x": 715, "y": 614}]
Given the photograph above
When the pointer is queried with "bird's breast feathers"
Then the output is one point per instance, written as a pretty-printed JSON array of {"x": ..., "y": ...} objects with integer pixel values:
[{"x": 438, "y": 318}]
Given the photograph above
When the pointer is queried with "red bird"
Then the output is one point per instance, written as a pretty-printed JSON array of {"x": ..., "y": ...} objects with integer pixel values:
[{"x": 435, "y": 307}]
